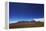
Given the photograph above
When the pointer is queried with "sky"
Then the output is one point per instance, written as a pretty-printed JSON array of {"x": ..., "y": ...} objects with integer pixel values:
[{"x": 25, "y": 11}]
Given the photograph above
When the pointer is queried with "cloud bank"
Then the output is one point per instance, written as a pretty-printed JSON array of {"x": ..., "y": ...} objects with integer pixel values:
[
  {"x": 39, "y": 19},
  {"x": 13, "y": 22}
]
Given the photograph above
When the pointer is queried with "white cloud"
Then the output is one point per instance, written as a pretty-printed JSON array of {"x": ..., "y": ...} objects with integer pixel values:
[
  {"x": 39, "y": 19},
  {"x": 13, "y": 22}
]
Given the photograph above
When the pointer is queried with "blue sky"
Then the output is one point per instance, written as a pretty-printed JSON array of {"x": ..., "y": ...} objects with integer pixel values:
[{"x": 25, "y": 11}]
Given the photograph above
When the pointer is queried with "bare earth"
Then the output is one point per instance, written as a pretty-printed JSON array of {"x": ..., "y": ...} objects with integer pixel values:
[{"x": 24, "y": 25}]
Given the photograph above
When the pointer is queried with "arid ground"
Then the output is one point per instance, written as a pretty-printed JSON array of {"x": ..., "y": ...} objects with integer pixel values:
[{"x": 25, "y": 25}]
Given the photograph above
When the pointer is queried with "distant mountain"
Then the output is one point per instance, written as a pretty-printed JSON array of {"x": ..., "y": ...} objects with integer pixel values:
[
  {"x": 26, "y": 21},
  {"x": 33, "y": 21}
]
